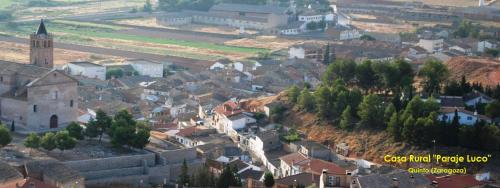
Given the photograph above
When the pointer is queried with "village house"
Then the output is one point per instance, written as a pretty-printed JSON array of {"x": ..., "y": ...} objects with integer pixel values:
[
  {"x": 397, "y": 179},
  {"x": 297, "y": 163},
  {"x": 311, "y": 149},
  {"x": 308, "y": 50},
  {"x": 87, "y": 69},
  {"x": 465, "y": 117},
  {"x": 229, "y": 118},
  {"x": 189, "y": 136},
  {"x": 147, "y": 68},
  {"x": 482, "y": 46},
  {"x": 293, "y": 28},
  {"x": 340, "y": 32},
  {"x": 474, "y": 98},
  {"x": 261, "y": 143},
  {"x": 431, "y": 45}
]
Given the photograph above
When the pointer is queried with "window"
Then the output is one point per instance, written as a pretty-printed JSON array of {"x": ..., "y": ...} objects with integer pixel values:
[
  {"x": 55, "y": 95},
  {"x": 1, "y": 78},
  {"x": 71, "y": 103},
  {"x": 35, "y": 108},
  {"x": 469, "y": 118}
]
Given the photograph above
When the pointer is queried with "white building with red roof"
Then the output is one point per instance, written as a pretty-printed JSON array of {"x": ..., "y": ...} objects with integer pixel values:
[{"x": 229, "y": 118}]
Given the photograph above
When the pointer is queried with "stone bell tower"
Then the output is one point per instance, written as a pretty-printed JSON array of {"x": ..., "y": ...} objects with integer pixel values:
[{"x": 41, "y": 47}]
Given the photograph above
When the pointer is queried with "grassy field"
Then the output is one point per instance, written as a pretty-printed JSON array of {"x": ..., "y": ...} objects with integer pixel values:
[
  {"x": 103, "y": 35},
  {"x": 5, "y": 3}
]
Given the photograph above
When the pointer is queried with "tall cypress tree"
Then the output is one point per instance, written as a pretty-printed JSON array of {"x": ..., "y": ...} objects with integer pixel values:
[{"x": 454, "y": 130}]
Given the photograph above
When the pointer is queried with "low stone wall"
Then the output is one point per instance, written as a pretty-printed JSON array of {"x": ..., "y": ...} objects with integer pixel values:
[
  {"x": 127, "y": 180},
  {"x": 112, "y": 163},
  {"x": 92, "y": 175},
  {"x": 178, "y": 156}
]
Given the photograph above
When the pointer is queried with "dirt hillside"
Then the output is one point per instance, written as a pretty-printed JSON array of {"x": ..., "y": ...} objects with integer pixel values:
[{"x": 482, "y": 70}]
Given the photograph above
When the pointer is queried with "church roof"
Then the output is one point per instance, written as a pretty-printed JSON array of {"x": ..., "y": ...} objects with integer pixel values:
[{"x": 41, "y": 28}]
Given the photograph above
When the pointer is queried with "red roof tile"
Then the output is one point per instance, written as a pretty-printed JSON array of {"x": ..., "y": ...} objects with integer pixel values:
[
  {"x": 293, "y": 158},
  {"x": 187, "y": 131}
]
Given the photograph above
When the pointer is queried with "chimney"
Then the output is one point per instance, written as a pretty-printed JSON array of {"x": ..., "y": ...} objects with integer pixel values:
[
  {"x": 434, "y": 183},
  {"x": 395, "y": 182},
  {"x": 323, "y": 179}
]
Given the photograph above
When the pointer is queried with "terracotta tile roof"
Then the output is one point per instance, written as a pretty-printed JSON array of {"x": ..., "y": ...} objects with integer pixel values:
[
  {"x": 305, "y": 179},
  {"x": 228, "y": 108},
  {"x": 317, "y": 166},
  {"x": 187, "y": 131},
  {"x": 455, "y": 181},
  {"x": 293, "y": 158}
]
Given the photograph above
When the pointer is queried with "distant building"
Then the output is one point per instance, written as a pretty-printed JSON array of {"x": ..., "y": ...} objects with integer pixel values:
[
  {"x": 147, "y": 68},
  {"x": 261, "y": 17},
  {"x": 482, "y": 46},
  {"x": 340, "y": 32},
  {"x": 293, "y": 28},
  {"x": 312, "y": 51},
  {"x": 431, "y": 45},
  {"x": 87, "y": 69},
  {"x": 229, "y": 118}
]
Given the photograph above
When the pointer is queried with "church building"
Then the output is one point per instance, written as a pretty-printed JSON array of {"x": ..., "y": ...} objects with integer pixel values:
[{"x": 36, "y": 97}]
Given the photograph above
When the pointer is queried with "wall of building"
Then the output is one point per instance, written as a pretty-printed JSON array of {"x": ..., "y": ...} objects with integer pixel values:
[
  {"x": 298, "y": 53},
  {"x": 98, "y": 72},
  {"x": 112, "y": 162},
  {"x": 149, "y": 69},
  {"x": 14, "y": 110},
  {"x": 52, "y": 97}
]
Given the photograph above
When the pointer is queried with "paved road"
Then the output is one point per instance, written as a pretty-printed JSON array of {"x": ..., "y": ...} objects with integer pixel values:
[{"x": 185, "y": 62}]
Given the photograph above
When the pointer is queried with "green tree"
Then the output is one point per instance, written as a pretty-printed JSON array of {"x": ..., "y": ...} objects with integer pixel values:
[
  {"x": 141, "y": 138},
  {"x": 75, "y": 131},
  {"x": 389, "y": 111},
  {"x": 49, "y": 142},
  {"x": 370, "y": 111},
  {"x": 490, "y": 138},
  {"x": 5, "y": 137},
  {"x": 116, "y": 73},
  {"x": 408, "y": 129},
  {"x": 454, "y": 130},
  {"x": 102, "y": 122},
  {"x": 312, "y": 26},
  {"x": 306, "y": 100},
  {"x": 227, "y": 178},
  {"x": 32, "y": 141},
  {"x": 64, "y": 141},
  {"x": 366, "y": 76},
  {"x": 91, "y": 130},
  {"x": 268, "y": 179},
  {"x": 366, "y": 37},
  {"x": 343, "y": 69},
  {"x": 327, "y": 55},
  {"x": 323, "y": 99},
  {"x": 434, "y": 73},
  {"x": 183, "y": 178},
  {"x": 393, "y": 127},
  {"x": 346, "y": 120},
  {"x": 493, "y": 109},
  {"x": 293, "y": 93}
]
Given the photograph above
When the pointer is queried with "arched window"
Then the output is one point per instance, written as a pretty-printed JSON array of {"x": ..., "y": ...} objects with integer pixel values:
[{"x": 71, "y": 103}]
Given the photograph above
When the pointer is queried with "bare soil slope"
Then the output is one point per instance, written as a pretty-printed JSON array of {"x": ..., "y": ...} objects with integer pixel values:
[{"x": 482, "y": 70}]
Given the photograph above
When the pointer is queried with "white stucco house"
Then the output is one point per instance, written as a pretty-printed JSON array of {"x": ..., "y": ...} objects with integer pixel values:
[
  {"x": 86, "y": 69},
  {"x": 465, "y": 117},
  {"x": 147, "y": 68},
  {"x": 482, "y": 46},
  {"x": 431, "y": 45}
]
